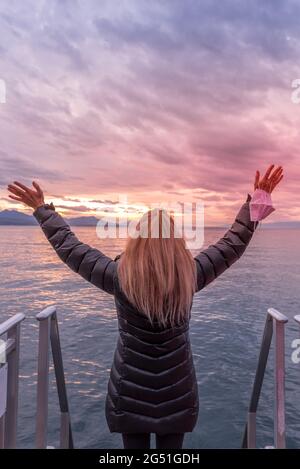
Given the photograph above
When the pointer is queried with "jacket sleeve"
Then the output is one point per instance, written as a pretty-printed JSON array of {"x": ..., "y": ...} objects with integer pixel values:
[
  {"x": 88, "y": 262},
  {"x": 214, "y": 260}
]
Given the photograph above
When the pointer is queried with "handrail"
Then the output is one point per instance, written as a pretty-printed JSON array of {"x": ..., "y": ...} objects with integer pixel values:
[
  {"x": 277, "y": 315},
  {"x": 274, "y": 320},
  {"x": 49, "y": 336},
  {"x": 46, "y": 313},
  {"x": 11, "y": 322},
  {"x": 10, "y": 382}
]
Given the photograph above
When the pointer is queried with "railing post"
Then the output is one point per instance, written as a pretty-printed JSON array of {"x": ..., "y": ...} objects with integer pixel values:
[
  {"x": 8, "y": 421},
  {"x": 3, "y": 400},
  {"x": 274, "y": 321},
  {"x": 249, "y": 440},
  {"x": 66, "y": 439},
  {"x": 12, "y": 389},
  {"x": 42, "y": 384},
  {"x": 279, "y": 412},
  {"x": 279, "y": 420},
  {"x": 49, "y": 335}
]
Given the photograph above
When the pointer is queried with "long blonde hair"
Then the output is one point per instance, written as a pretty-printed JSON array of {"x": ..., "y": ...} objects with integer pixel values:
[{"x": 157, "y": 272}]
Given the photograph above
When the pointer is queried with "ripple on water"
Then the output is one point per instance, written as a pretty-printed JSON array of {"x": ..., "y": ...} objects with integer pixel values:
[{"x": 226, "y": 329}]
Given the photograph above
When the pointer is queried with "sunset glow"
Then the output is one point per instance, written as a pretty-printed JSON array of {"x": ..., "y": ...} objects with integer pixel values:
[{"x": 158, "y": 101}]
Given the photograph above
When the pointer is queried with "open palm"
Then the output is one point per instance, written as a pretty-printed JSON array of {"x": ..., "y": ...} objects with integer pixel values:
[
  {"x": 21, "y": 193},
  {"x": 270, "y": 180}
]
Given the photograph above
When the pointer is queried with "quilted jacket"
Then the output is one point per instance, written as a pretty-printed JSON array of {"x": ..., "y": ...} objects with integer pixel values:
[{"x": 152, "y": 386}]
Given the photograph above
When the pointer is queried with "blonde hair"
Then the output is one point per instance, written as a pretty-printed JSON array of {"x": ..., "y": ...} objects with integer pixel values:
[{"x": 157, "y": 272}]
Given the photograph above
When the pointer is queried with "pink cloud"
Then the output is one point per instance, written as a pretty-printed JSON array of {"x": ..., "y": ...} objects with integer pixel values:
[{"x": 151, "y": 101}]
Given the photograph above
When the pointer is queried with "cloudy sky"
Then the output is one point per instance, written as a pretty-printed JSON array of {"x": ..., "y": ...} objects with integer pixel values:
[{"x": 156, "y": 100}]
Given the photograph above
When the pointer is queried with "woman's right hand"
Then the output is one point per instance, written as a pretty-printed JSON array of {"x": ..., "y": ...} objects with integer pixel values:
[
  {"x": 270, "y": 180},
  {"x": 24, "y": 194}
]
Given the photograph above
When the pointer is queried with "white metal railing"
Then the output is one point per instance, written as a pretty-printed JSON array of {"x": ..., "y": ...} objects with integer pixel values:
[
  {"x": 49, "y": 338},
  {"x": 275, "y": 321},
  {"x": 9, "y": 380},
  {"x": 297, "y": 318}
]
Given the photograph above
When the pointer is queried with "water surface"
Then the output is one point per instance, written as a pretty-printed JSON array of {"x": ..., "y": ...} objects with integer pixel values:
[{"x": 226, "y": 329}]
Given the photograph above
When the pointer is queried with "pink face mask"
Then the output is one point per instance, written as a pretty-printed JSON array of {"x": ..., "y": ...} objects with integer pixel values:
[{"x": 260, "y": 205}]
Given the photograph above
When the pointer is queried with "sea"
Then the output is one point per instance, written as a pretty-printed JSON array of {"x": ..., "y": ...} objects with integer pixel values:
[{"x": 226, "y": 330}]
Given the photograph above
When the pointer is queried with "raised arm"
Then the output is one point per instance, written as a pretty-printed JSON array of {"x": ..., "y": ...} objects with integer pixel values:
[
  {"x": 90, "y": 263},
  {"x": 214, "y": 260}
]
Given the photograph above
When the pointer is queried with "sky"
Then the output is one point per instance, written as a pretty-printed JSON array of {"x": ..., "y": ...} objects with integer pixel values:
[{"x": 161, "y": 101}]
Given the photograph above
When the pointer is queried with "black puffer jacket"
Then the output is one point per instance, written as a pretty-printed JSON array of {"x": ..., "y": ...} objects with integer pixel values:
[{"x": 152, "y": 386}]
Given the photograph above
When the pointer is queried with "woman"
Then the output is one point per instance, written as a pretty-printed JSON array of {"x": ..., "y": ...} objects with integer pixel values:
[{"x": 152, "y": 386}]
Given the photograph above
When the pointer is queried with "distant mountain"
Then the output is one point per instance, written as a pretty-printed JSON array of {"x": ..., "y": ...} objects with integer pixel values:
[
  {"x": 278, "y": 225},
  {"x": 83, "y": 221},
  {"x": 264, "y": 225},
  {"x": 13, "y": 217},
  {"x": 282, "y": 225}
]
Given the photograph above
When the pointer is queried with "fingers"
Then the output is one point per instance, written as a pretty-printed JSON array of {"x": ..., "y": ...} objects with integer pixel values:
[
  {"x": 15, "y": 190},
  {"x": 276, "y": 174},
  {"x": 25, "y": 197},
  {"x": 19, "y": 199},
  {"x": 22, "y": 193},
  {"x": 279, "y": 177},
  {"x": 277, "y": 171},
  {"x": 37, "y": 187},
  {"x": 276, "y": 182},
  {"x": 271, "y": 178},
  {"x": 274, "y": 179},
  {"x": 267, "y": 174},
  {"x": 22, "y": 186}
]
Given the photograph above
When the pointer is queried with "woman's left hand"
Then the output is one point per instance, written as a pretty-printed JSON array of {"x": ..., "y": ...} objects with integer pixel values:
[
  {"x": 270, "y": 180},
  {"x": 29, "y": 197}
]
